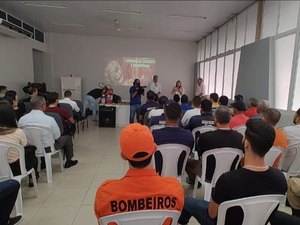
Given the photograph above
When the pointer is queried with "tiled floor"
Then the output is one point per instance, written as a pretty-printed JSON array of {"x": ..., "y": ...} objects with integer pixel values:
[{"x": 69, "y": 199}]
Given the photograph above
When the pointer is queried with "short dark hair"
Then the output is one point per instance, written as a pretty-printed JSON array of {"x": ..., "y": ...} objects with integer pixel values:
[
  {"x": 253, "y": 102},
  {"x": 10, "y": 96},
  {"x": 67, "y": 93},
  {"x": 197, "y": 101},
  {"x": 222, "y": 114},
  {"x": 272, "y": 116},
  {"x": 176, "y": 98},
  {"x": 206, "y": 105},
  {"x": 184, "y": 99},
  {"x": 173, "y": 110},
  {"x": 140, "y": 164},
  {"x": 2, "y": 88},
  {"x": 52, "y": 97},
  {"x": 31, "y": 90},
  {"x": 238, "y": 97},
  {"x": 298, "y": 112},
  {"x": 223, "y": 100},
  {"x": 214, "y": 97},
  {"x": 260, "y": 135},
  {"x": 37, "y": 101},
  {"x": 7, "y": 115},
  {"x": 162, "y": 100},
  {"x": 151, "y": 95}
]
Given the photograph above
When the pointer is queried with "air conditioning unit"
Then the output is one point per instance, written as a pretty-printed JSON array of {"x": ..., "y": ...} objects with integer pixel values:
[{"x": 10, "y": 29}]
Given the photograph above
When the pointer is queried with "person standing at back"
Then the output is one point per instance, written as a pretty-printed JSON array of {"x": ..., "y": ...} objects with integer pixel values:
[
  {"x": 90, "y": 101},
  {"x": 136, "y": 92},
  {"x": 155, "y": 86},
  {"x": 200, "y": 88}
]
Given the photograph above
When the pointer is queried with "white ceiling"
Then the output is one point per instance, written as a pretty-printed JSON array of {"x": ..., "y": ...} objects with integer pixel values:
[{"x": 154, "y": 21}]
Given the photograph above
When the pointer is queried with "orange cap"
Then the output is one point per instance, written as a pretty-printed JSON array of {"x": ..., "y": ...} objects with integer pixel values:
[{"x": 136, "y": 138}]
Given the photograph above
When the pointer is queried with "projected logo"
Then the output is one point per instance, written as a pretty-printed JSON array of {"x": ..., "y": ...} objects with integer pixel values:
[{"x": 123, "y": 71}]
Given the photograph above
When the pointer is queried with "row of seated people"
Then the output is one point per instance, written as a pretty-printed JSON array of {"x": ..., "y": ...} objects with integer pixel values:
[
  {"x": 143, "y": 189},
  {"x": 11, "y": 130}
]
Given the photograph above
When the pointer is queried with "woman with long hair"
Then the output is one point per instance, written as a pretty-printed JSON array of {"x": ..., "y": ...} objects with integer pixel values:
[
  {"x": 9, "y": 132},
  {"x": 178, "y": 89}
]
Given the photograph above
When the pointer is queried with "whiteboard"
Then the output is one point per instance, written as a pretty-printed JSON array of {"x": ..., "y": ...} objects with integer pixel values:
[{"x": 73, "y": 84}]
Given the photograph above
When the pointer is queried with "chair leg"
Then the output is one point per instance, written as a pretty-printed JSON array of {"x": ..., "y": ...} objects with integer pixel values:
[
  {"x": 207, "y": 192},
  {"x": 19, "y": 203},
  {"x": 36, "y": 190},
  {"x": 39, "y": 164},
  {"x": 195, "y": 187},
  {"x": 48, "y": 168},
  {"x": 61, "y": 161}
]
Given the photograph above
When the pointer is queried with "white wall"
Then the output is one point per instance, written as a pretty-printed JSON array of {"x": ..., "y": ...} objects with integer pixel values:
[
  {"x": 16, "y": 64},
  {"x": 85, "y": 56}
]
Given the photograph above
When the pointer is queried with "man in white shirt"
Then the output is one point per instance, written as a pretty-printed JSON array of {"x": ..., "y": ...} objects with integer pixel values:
[
  {"x": 160, "y": 110},
  {"x": 293, "y": 135},
  {"x": 69, "y": 101},
  {"x": 192, "y": 112},
  {"x": 155, "y": 86},
  {"x": 37, "y": 116},
  {"x": 200, "y": 89}
]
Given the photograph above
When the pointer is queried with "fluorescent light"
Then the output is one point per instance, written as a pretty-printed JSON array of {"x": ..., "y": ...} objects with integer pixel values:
[
  {"x": 187, "y": 17},
  {"x": 44, "y": 4},
  {"x": 69, "y": 24},
  {"x": 122, "y": 11}
]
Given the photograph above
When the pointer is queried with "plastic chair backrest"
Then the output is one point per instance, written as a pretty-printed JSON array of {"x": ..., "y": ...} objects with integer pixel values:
[
  {"x": 170, "y": 159},
  {"x": 5, "y": 171},
  {"x": 272, "y": 155},
  {"x": 41, "y": 137},
  {"x": 224, "y": 159},
  {"x": 67, "y": 107},
  {"x": 200, "y": 130},
  {"x": 58, "y": 120},
  {"x": 156, "y": 127},
  {"x": 241, "y": 129},
  {"x": 145, "y": 217},
  {"x": 294, "y": 169},
  {"x": 257, "y": 209}
]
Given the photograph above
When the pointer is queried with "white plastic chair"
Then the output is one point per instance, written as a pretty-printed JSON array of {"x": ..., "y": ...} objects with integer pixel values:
[
  {"x": 224, "y": 160},
  {"x": 257, "y": 209},
  {"x": 144, "y": 217},
  {"x": 6, "y": 173},
  {"x": 36, "y": 134},
  {"x": 170, "y": 157},
  {"x": 241, "y": 129},
  {"x": 196, "y": 132},
  {"x": 294, "y": 169},
  {"x": 272, "y": 155},
  {"x": 157, "y": 127}
]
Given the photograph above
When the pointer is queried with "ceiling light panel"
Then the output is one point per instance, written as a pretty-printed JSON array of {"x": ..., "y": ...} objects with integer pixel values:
[
  {"x": 186, "y": 17},
  {"x": 45, "y": 5},
  {"x": 120, "y": 11}
]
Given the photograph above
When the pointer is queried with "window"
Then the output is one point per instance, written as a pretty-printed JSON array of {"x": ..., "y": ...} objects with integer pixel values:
[
  {"x": 227, "y": 90},
  {"x": 219, "y": 79},
  {"x": 230, "y": 35},
  {"x": 222, "y": 36},
  {"x": 288, "y": 15},
  {"x": 212, "y": 76}
]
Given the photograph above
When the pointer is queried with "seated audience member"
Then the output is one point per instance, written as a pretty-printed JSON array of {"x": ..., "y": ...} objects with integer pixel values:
[
  {"x": 3, "y": 90},
  {"x": 272, "y": 116},
  {"x": 173, "y": 133},
  {"x": 37, "y": 116},
  {"x": 149, "y": 105},
  {"x": 160, "y": 110},
  {"x": 141, "y": 188},
  {"x": 239, "y": 117},
  {"x": 90, "y": 101},
  {"x": 238, "y": 97},
  {"x": 184, "y": 103},
  {"x": 223, "y": 100},
  {"x": 214, "y": 97},
  {"x": 178, "y": 89},
  {"x": 252, "y": 104},
  {"x": 31, "y": 91},
  {"x": 206, "y": 117},
  {"x": 293, "y": 195},
  {"x": 8, "y": 195},
  {"x": 282, "y": 218},
  {"x": 241, "y": 183},
  {"x": 196, "y": 110},
  {"x": 261, "y": 107},
  {"x": 9, "y": 132},
  {"x": 67, "y": 119},
  {"x": 222, "y": 137},
  {"x": 176, "y": 98},
  {"x": 293, "y": 135},
  {"x": 68, "y": 100},
  {"x": 12, "y": 98}
]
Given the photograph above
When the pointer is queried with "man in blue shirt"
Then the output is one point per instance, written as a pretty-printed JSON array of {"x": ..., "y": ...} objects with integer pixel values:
[
  {"x": 206, "y": 117},
  {"x": 184, "y": 103},
  {"x": 136, "y": 92}
]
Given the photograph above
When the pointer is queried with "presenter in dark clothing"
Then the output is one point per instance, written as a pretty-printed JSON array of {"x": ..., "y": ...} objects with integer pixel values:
[
  {"x": 90, "y": 102},
  {"x": 136, "y": 92}
]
